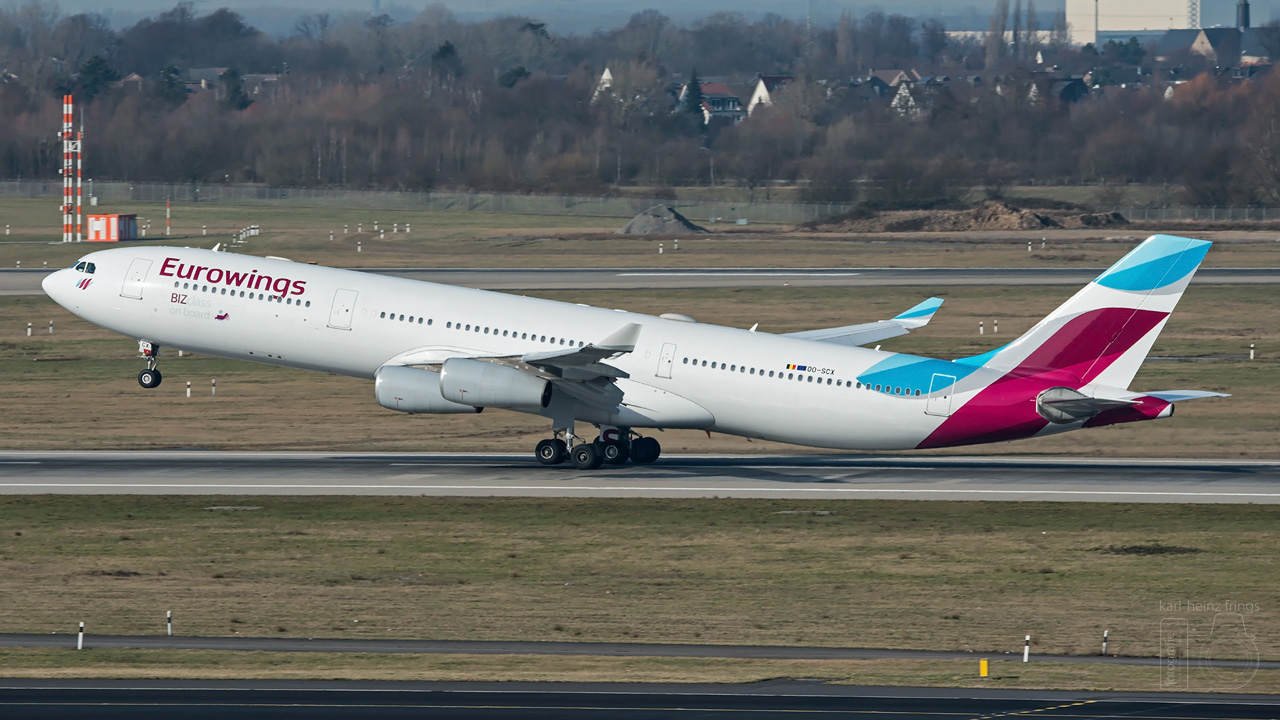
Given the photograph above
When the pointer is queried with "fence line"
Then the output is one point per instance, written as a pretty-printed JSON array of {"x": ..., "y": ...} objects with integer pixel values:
[{"x": 699, "y": 211}]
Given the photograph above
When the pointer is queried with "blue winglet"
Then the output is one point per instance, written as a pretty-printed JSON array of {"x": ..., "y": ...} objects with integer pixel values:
[{"x": 920, "y": 314}]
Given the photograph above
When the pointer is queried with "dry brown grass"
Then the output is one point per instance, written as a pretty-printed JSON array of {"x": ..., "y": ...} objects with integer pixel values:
[
  {"x": 494, "y": 240},
  {"x": 190, "y": 664},
  {"x": 924, "y": 575}
]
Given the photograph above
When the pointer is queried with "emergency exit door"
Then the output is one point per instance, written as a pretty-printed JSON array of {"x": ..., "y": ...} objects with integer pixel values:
[
  {"x": 344, "y": 304},
  {"x": 664, "y": 362},
  {"x": 135, "y": 278}
]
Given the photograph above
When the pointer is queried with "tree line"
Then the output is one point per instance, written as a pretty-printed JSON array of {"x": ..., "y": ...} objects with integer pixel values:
[{"x": 508, "y": 104}]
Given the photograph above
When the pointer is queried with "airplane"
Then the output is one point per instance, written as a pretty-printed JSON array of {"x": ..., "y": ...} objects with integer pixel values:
[{"x": 432, "y": 348}]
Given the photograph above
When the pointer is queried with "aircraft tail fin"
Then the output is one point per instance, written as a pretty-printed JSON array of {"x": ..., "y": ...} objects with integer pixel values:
[{"x": 1103, "y": 333}]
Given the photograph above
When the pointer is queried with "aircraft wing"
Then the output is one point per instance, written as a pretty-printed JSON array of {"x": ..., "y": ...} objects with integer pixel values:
[
  {"x": 580, "y": 371},
  {"x": 916, "y": 317}
]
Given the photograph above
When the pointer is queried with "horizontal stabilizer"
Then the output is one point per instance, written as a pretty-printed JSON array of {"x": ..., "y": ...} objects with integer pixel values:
[
  {"x": 1179, "y": 395},
  {"x": 916, "y": 317},
  {"x": 1065, "y": 405}
]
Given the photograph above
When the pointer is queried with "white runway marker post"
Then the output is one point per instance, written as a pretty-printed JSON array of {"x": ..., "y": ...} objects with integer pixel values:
[
  {"x": 1028, "y": 246},
  {"x": 50, "y": 327},
  {"x": 358, "y": 244},
  {"x": 80, "y": 637},
  {"x": 981, "y": 329},
  {"x": 1250, "y": 351},
  {"x": 168, "y": 621},
  {"x": 995, "y": 327},
  {"x": 213, "y": 387},
  {"x": 1026, "y": 650},
  {"x": 188, "y": 388},
  {"x": 659, "y": 248},
  {"x": 1105, "y": 635},
  {"x": 28, "y": 329}
]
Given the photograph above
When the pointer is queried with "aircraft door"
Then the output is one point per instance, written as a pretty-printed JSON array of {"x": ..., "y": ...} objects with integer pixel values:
[
  {"x": 344, "y": 304},
  {"x": 135, "y": 278},
  {"x": 665, "y": 361},
  {"x": 939, "y": 400}
]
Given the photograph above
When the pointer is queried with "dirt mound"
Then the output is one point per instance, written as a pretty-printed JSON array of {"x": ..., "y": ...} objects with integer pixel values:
[
  {"x": 994, "y": 216},
  {"x": 659, "y": 220},
  {"x": 1102, "y": 219},
  {"x": 987, "y": 216}
]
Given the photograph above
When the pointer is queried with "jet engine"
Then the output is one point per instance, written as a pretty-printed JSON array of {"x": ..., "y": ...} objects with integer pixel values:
[
  {"x": 413, "y": 390},
  {"x": 485, "y": 384}
]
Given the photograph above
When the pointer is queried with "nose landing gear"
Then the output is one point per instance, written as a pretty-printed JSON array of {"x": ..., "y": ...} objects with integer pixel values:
[{"x": 150, "y": 377}]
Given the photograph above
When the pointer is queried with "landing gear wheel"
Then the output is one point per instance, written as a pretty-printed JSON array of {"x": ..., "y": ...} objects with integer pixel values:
[
  {"x": 586, "y": 456},
  {"x": 615, "y": 453},
  {"x": 149, "y": 378},
  {"x": 551, "y": 452},
  {"x": 645, "y": 450}
]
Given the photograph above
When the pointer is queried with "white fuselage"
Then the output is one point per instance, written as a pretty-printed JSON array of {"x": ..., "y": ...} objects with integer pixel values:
[{"x": 353, "y": 323}]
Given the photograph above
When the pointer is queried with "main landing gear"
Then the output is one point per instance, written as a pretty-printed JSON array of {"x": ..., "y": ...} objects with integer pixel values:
[
  {"x": 612, "y": 447},
  {"x": 150, "y": 377}
]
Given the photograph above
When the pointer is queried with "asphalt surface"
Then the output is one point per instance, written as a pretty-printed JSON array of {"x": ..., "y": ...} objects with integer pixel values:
[
  {"x": 27, "y": 282},
  {"x": 808, "y": 477},
  {"x": 775, "y": 699}
]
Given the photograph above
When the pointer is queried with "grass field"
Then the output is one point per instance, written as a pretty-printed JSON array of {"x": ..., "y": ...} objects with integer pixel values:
[
  {"x": 448, "y": 239},
  {"x": 895, "y": 574},
  {"x": 77, "y": 387},
  {"x": 183, "y": 664}
]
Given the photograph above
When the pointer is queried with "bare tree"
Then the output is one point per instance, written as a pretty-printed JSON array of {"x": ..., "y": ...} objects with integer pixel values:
[{"x": 996, "y": 48}]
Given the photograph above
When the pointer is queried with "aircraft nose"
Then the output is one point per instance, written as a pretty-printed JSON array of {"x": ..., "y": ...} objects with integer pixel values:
[{"x": 52, "y": 283}]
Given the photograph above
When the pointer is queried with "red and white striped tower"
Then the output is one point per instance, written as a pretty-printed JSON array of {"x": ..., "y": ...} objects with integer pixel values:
[
  {"x": 79, "y": 178},
  {"x": 68, "y": 144}
]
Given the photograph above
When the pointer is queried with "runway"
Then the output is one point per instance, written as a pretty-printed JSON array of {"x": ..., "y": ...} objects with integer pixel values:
[
  {"x": 758, "y": 701},
  {"x": 813, "y": 477},
  {"x": 27, "y": 282}
]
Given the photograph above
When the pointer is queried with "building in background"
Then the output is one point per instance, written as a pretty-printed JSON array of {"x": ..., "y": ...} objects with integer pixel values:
[{"x": 1097, "y": 21}]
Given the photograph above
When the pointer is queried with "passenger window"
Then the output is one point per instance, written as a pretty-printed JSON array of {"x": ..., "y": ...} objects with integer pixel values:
[
  {"x": 810, "y": 378},
  {"x": 544, "y": 339},
  {"x": 686, "y": 361},
  {"x": 732, "y": 368},
  {"x": 917, "y": 393},
  {"x": 704, "y": 363},
  {"x": 289, "y": 301},
  {"x": 859, "y": 386},
  {"x": 713, "y": 366},
  {"x": 791, "y": 376},
  {"x": 770, "y": 373},
  {"x": 308, "y": 303},
  {"x": 384, "y": 314},
  {"x": 175, "y": 283},
  {"x": 186, "y": 285},
  {"x": 410, "y": 318},
  {"x": 877, "y": 387},
  {"x": 897, "y": 391}
]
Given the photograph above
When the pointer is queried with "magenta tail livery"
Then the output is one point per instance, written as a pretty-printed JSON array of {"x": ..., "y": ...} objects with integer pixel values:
[{"x": 440, "y": 349}]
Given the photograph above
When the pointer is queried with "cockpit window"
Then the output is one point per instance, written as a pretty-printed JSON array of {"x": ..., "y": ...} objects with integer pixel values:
[
  {"x": 85, "y": 266},
  {"x": 89, "y": 268},
  {"x": 80, "y": 265}
]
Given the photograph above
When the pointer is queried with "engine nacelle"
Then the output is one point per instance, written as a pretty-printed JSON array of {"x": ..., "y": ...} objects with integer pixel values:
[
  {"x": 413, "y": 390},
  {"x": 474, "y": 382}
]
